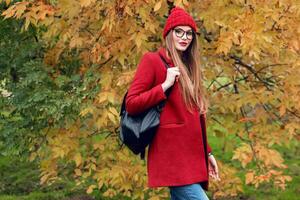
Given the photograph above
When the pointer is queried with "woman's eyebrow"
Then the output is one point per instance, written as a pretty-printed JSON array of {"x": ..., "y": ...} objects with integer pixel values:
[{"x": 185, "y": 30}]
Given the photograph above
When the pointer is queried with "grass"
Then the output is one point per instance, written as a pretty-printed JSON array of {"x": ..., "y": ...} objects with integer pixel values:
[{"x": 36, "y": 196}]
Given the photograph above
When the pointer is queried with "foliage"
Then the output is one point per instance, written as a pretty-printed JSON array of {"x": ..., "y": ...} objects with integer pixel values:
[
  {"x": 37, "y": 97},
  {"x": 66, "y": 100},
  {"x": 20, "y": 178}
]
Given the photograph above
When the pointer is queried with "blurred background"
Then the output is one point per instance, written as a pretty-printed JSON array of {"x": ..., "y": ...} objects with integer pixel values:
[{"x": 66, "y": 64}]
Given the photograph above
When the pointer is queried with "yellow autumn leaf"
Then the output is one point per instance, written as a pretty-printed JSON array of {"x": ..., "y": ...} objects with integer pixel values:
[
  {"x": 27, "y": 20},
  {"x": 282, "y": 110},
  {"x": 102, "y": 121},
  {"x": 9, "y": 12},
  {"x": 78, "y": 159},
  {"x": 224, "y": 43},
  {"x": 78, "y": 172},
  {"x": 114, "y": 111},
  {"x": 99, "y": 146},
  {"x": 112, "y": 118},
  {"x": 185, "y": 2},
  {"x": 128, "y": 11},
  {"x": 102, "y": 97},
  {"x": 20, "y": 9},
  {"x": 106, "y": 54},
  {"x": 244, "y": 154},
  {"x": 87, "y": 110},
  {"x": 7, "y": 2},
  {"x": 112, "y": 97},
  {"x": 100, "y": 184},
  {"x": 110, "y": 193},
  {"x": 154, "y": 198},
  {"x": 90, "y": 189},
  {"x": 157, "y": 5},
  {"x": 58, "y": 152},
  {"x": 140, "y": 37},
  {"x": 44, "y": 179},
  {"x": 85, "y": 3},
  {"x": 249, "y": 177},
  {"x": 33, "y": 155}
]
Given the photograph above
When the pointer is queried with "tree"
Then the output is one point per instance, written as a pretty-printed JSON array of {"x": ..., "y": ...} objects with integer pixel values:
[{"x": 250, "y": 56}]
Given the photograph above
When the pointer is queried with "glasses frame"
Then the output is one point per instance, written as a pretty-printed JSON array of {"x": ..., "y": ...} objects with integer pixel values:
[{"x": 184, "y": 33}]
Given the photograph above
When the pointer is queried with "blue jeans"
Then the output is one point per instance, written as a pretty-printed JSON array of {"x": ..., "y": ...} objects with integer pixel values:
[{"x": 188, "y": 192}]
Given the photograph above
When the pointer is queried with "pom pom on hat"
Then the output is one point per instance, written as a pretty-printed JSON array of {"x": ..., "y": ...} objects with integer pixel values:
[{"x": 177, "y": 17}]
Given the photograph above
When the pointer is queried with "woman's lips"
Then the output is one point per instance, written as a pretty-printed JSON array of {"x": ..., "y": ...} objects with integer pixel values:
[{"x": 183, "y": 44}]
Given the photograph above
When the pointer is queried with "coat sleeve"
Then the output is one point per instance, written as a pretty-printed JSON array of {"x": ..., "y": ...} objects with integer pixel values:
[
  {"x": 142, "y": 93},
  {"x": 209, "y": 150}
]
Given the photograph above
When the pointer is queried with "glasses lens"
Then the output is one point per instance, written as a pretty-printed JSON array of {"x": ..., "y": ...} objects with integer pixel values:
[
  {"x": 180, "y": 33},
  {"x": 189, "y": 35}
]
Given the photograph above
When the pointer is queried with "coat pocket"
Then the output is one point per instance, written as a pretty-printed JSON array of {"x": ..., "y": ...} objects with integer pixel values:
[{"x": 171, "y": 125}]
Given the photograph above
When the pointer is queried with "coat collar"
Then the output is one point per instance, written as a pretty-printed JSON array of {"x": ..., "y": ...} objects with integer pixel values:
[{"x": 162, "y": 52}]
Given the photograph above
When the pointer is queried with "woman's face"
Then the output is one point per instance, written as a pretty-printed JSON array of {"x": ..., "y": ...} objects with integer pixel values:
[{"x": 182, "y": 37}]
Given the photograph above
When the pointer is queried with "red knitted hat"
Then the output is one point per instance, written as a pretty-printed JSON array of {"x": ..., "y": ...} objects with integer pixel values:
[{"x": 178, "y": 17}]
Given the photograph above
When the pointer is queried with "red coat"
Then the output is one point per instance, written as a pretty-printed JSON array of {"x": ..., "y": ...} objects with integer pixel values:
[{"x": 178, "y": 153}]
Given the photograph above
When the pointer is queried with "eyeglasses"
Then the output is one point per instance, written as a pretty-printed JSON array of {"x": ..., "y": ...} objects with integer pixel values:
[{"x": 180, "y": 33}]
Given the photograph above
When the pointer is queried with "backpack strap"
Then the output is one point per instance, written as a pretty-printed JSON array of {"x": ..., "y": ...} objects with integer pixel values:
[
  {"x": 142, "y": 154},
  {"x": 164, "y": 61},
  {"x": 168, "y": 91},
  {"x": 161, "y": 105},
  {"x": 123, "y": 104}
]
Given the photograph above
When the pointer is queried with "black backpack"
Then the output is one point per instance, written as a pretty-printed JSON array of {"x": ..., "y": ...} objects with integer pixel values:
[{"x": 137, "y": 131}]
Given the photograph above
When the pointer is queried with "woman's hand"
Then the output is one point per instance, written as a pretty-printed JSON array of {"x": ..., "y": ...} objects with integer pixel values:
[
  {"x": 172, "y": 75},
  {"x": 213, "y": 168}
]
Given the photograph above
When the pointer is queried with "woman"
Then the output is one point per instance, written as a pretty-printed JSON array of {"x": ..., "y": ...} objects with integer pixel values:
[{"x": 179, "y": 156}]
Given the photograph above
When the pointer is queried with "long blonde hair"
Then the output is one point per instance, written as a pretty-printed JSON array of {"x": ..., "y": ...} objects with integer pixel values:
[{"x": 190, "y": 79}]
